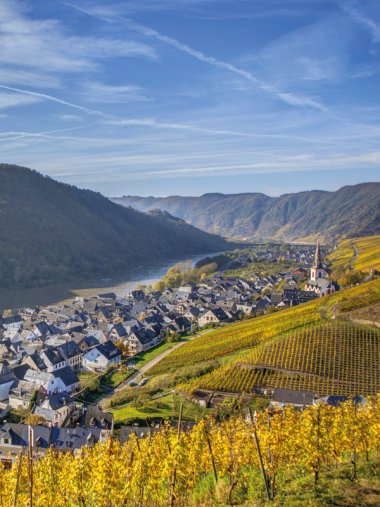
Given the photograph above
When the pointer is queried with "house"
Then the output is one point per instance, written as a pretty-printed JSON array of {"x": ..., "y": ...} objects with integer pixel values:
[
  {"x": 73, "y": 355},
  {"x": 299, "y": 272},
  {"x": 94, "y": 417},
  {"x": 213, "y": 316},
  {"x": 102, "y": 357},
  {"x": 68, "y": 378},
  {"x": 53, "y": 359},
  {"x": 183, "y": 324},
  {"x": 21, "y": 395},
  {"x": 57, "y": 409},
  {"x": 87, "y": 343},
  {"x": 41, "y": 329},
  {"x": 74, "y": 439},
  {"x": 14, "y": 322},
  {"x": 118, "y": 332},
  {"x": 35, "y": 362},
  {"x": 193, "y": 313},
  {"x": 283, "y": 397},
  {"x": 141, "y": 339},
  {"x": 7, "y": 379},
  {"x": 15, "y": 438},
  {"x": 52, "y": 382}
]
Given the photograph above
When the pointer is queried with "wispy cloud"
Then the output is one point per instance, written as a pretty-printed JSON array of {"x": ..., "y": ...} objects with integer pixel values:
[
  {"x": 16, "y": 99},
  {"x": 289, "y": 98},
  {"x": 353, "y": 10},
  {"x": 47, "y": 46},
  {"x": 110, "y": 94},
  {"x": 14, "y": 135},
  {"x": 38, "y": 96},
  {"x": 69, "y": 117},
  {"x": 9, "y": 75}
]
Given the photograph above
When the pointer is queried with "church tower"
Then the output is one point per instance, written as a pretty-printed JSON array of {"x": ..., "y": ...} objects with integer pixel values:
[{"x": 317, "y": 271}]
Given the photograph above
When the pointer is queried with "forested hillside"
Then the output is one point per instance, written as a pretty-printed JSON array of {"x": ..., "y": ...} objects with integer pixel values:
[
  {"x": 350, "y": 211},
  {"x": 51, "y": 232}
]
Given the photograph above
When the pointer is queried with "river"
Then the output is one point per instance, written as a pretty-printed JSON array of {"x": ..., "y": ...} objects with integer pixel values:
[{"x": 121, "y": 285}]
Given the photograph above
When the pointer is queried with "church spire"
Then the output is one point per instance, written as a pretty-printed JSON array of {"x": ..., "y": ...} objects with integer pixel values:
[{"x": 318, "y": 262}]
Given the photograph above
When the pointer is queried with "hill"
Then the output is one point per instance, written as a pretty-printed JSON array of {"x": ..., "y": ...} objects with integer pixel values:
[
  {"x": 350, "y": 211},
  {"x": 51, "y": 232},
  {"x": 280, "y": 349}
]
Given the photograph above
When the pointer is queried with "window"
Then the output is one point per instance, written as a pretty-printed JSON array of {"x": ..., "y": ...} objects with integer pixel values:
[{"x": 6, "y": 440}]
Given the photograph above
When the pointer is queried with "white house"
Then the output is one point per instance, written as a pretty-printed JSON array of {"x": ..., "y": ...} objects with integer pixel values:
[
  {"x": 101, "y": 357},
  {"x": 213, "y": 317}
]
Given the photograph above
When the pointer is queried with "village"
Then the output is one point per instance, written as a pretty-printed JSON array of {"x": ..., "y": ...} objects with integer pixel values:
[{"x": 44, "y": 352}]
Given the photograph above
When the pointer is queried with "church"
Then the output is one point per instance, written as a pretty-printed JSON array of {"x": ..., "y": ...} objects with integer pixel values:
[{"x": 318, "y": 281}]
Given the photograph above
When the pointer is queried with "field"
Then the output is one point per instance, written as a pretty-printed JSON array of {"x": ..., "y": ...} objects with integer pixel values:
[
  {"x": 237, "y": 344},
  {"x": 368, "y": 257}
]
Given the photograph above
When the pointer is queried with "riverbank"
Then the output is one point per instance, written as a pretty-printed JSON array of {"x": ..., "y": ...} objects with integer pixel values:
[{"x": 63, "y": 292}]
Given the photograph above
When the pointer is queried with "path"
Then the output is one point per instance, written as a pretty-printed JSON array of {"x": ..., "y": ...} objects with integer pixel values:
[
  {"x": 149, "y": 365},
  {"x": 356, "y": 255}
]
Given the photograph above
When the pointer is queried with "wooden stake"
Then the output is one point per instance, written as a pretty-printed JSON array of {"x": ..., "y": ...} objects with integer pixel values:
[
  {"x": 265, "y": 478},
  {"x": 19, "y": 464},
  {"x": 174, "y": 479},
  {"x": 30, "y": 464},
  {"x": 211, "y": 455}
]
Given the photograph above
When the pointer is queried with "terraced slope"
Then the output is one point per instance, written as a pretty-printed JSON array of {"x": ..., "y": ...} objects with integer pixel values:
[
  {"x": 237, "y": 344},
  {"x": 244, "y": 335},
  {"x": 332, "y": 358}
]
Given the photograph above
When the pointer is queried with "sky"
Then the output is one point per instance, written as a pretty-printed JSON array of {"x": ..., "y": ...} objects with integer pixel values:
[{"x": 184, "y": 97}]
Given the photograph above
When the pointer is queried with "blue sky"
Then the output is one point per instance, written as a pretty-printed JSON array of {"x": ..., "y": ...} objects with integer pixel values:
[{"x": 160, "y": 97}]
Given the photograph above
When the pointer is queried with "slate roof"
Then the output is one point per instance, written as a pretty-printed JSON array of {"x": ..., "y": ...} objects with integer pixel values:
[
  {"x": 70, "y": 349},
  {"x": 293, "y": 397},
  {"x": 54, "y": 356},
  {"x": 108, "y": 350},
  {"x": 57, "y": 400},
  {"x": 67, "y": 376},
  {"x": 73, "y": 438},
  {"x": 18, "y": 435},
  {"x": 90, "y": 341},
  {"x": 96, "y": 418},
  {"x": 120, "y": 330}
]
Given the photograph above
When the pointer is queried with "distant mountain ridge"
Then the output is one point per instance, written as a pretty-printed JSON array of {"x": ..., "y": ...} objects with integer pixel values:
[
  {"x": 349, "y": 211},
  {"x": 52, "y": 232}
]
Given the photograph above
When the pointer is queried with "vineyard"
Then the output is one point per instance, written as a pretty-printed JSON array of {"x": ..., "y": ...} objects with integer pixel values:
[
  {"x": 243, "y": 460},
  {"x": 338, "y": 358},
  {"x": 246, "y": 336},
  {"x": 368, "y": 254}
]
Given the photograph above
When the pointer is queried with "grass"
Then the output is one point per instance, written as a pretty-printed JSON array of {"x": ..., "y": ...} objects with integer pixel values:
[
  {"x": 166, "y": 407},
  {"x": 144, "y": 357},
  {"x": 116, "y": 377}
]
